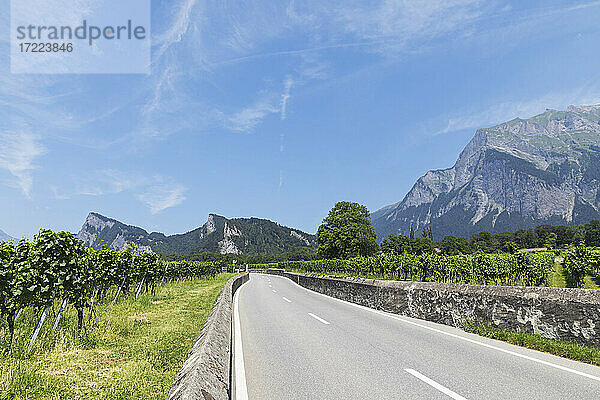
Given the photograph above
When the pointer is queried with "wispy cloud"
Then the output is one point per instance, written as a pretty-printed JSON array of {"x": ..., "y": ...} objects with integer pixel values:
[
  {"x": 289, "y": 82},
  {"x": 160, "y": 197},
  {"x": 177, "y": 29},
  {"x": 249, "y": 117},
  {"x": 110, "y": 181},
  {"x": 213, "y": 37},
  {"x": 506, "y": 111},
  {"x": 18, "y": 151},
  {"x": 156, "y": 192},
  {"x": 388, "y": 26}
]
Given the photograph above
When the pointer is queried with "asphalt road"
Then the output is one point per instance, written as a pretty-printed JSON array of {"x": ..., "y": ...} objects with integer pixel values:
[{"x": 291, "y": 343}]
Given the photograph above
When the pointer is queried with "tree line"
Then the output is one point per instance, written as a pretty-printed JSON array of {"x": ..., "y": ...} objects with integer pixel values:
[{"x": 347, "y": 232}]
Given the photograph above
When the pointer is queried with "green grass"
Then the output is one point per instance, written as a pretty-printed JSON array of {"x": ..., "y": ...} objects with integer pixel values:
[
  {"x": 134, "y": 353},
  {"x": 559, "y": 278},
  {"x": 573, "y": 351}
]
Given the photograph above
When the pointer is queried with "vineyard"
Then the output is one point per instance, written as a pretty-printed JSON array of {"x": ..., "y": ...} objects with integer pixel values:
[
  {"x": 56, "y": 268},
  {"x": 526, "y": 269}
]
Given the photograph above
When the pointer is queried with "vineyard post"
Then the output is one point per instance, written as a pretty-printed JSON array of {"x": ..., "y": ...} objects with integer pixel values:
[
  {"x": 79, "y": 319},
  {"x": 139, "y": 289},
  {"x": 119, "y": 291},
  {"x": 60, "y": 311},
  {"x": 95, "y": 317},
  {"x": 92, "y": 303},
  {"x": 18, "y": 314},
  {"x": 38, "y": 328},
  {"x": 165, "y": 274}
]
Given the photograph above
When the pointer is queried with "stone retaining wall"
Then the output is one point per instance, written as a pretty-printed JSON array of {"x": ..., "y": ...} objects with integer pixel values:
[
  {"x": 206, "y": 372},
  {"x": 555, "y": 313}
]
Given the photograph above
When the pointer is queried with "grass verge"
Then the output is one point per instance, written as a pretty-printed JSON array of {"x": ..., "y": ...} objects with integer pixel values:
[
  {"x": 573, "y": 351},
  {"x": 134, "y": 353}
]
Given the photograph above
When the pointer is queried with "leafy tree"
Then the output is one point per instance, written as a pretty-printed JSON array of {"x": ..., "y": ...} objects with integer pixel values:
[
  {"x": 347, "y": 232},
  {"x": 422, "y": 245},
  {"x": 451, "y": 245},
  {"x": 397, "y": 245},
  {"x": 483, "y": 241},
  {"x": 511, "y": 247},
  {"x": 579, "y": 235},
  {"x": 551, "y": 240},
  {"x": 403, "y": 244},
  {"x": 300, "y": 253},
  {"x": 592, "y": 233}
]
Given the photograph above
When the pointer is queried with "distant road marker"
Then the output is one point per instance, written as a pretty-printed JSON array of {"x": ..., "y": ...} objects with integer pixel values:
[
  {"x": 274, "y": 291},
  {"x": 318, "y": 319}
]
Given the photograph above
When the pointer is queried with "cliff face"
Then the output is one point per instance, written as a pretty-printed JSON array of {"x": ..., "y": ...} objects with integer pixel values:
[
  {"x": 218, "y": 235},
  {"x": 514, "y": 175}
]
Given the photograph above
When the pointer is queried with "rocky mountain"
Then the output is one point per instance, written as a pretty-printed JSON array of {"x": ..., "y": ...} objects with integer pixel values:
[
  {"x": 5, "y": 237},
  {"x": 218, "y": 235},
  {"x": 518, "y": 174}
]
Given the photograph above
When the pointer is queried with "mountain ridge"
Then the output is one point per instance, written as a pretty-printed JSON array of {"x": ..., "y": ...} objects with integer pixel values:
[
  {"x": 218, "y": 235},
  {"x": 517, "y": 174},
  {"x": 5, "y": 237}
]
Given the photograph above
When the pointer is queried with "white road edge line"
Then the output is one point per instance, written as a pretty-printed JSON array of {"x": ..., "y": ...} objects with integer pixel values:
[
  {"x": 318, "y": 318},
  {"x": 286, "y": 299},
  {"x": 434, "y": 384},
  {"x": 241, "y": 390},
  {"x": 489, "y": 346},
  {"x": 274, "y": 291}
]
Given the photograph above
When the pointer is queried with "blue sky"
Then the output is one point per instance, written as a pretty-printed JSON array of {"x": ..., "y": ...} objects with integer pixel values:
[{"x": 278, "y": 109}]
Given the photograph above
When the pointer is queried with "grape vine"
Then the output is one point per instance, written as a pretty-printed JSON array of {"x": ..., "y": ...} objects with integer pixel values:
[{"x": 56, "y": 265}]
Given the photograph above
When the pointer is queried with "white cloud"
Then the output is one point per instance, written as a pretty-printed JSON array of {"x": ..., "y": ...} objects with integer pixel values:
[
  {"x": 507, "y": 111},
  {"x": 162, "y": 196},
  {"x": 18, "y": 151}
]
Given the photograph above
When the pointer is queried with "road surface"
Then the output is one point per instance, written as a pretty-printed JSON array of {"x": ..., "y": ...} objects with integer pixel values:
[{"x": 292, "y": 343}]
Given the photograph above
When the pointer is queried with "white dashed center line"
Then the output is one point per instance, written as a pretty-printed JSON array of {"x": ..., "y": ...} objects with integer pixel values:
[
  {"x": 434, "y": 384},
  {"x": 318, "y": 319}
]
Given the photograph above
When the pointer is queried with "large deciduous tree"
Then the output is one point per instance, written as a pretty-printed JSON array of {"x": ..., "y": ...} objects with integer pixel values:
[{"x": 347, "y": 232}]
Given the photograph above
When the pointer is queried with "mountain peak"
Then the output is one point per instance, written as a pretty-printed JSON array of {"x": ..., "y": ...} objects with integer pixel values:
[
  {"x": 218, "y": 234},
  {"x": 516, "y": 174},
  {"x": 4, "y": 237}
]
